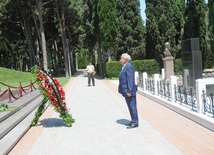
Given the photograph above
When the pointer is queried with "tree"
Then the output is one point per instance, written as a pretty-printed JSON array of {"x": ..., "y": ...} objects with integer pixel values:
[
  {"x": 16, "y": 25},
  {"x": 108, "y": 22},
  {"x": 131, "y": 31},
  {"x": 91, "y": 27},
  {"x": 195, "y": 25},
  {"x": 44, "y": 50},
  {"x": 210, "y": 56},
  {"x": 164, "y": 24}
]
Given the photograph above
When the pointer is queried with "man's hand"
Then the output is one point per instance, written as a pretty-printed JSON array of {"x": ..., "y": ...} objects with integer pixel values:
[{"x": 129, "y": 95}]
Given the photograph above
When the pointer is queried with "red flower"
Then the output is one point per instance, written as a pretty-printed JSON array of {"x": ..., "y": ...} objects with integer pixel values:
[
  {"x": 41, "y": 84},
  {"x": 43, "y": 87},
  {"x": 54, "y": 102},
  {"x": 48, "y": 93}
]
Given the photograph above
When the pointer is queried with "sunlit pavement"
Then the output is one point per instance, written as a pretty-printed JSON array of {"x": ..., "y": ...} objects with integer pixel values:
[{"x": 100, "y": 116}]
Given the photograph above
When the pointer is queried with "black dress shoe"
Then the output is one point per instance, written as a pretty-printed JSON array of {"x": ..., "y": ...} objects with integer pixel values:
[
  {"x": 128, "y": 124},
  {"x": 132, "y": 126}
]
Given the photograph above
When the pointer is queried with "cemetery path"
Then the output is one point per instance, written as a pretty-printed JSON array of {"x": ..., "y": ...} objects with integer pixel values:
[{"x": 100, "y": 113}]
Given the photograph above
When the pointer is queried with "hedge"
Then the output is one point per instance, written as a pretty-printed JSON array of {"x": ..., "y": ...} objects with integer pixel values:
[
  {"x": 151, "y": 66},
  {"x": 112, "y": 68}
]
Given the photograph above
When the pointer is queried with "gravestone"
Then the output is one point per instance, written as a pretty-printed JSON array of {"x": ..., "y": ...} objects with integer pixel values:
[{"x": 191, "y": 61}]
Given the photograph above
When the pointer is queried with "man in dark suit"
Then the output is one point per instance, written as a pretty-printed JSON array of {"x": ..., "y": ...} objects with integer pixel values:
[{"x": 128, "y": 88}]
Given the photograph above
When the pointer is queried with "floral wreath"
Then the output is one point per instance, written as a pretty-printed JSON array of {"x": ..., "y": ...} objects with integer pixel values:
[{"x": 52, "y": 91}]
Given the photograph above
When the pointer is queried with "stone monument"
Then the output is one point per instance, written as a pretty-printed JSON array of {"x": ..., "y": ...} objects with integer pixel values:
[
  {"x": 191, "y": 61},
  {"x": 168, "y": 62}
]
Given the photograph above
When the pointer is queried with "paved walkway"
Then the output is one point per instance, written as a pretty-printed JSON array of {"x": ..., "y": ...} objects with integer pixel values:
[{"x": 100, "y": 114}]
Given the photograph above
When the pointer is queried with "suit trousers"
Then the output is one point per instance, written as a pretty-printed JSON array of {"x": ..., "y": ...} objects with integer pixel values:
[
  {"x": 90, "y": 76},
  {"x": 132, "y": 106}
]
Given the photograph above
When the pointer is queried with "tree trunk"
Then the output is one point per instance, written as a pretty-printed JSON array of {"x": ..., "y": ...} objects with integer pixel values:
[
  {"x": 99, "y": 56},
  {"x": 109, "y": 54},
  {"x": 55, "y": 58},
  {"x": 45, "y": 62},
  {"x": 103, "y": 52},
  {"x": 58, "y": 58},
  {"x": 38, "y": 36},
  {"x": 28, "y": 39},
  {"x": 62, "y": 28},
  {"x": 21, "y": 62},
  {"x": 37, "y": 52},
  {"x": 72, "y": 60}
]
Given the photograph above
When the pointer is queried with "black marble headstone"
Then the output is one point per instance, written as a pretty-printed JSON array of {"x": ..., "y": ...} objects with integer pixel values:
[{"x": 192, "y": 59}]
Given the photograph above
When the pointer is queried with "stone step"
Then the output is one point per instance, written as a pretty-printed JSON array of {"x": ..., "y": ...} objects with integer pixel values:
[
  {"x": 22, "y": 102},
  {"x": 12, "y": 138},
  {"x": 17, "y": 117}
]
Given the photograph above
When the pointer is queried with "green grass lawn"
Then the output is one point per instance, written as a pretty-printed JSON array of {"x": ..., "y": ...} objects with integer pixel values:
[{"x": 13, "y": 78}]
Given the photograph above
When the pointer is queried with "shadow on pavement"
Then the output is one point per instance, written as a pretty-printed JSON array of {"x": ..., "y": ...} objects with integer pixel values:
[
  {"x": 123, "y": 121},
  {"x": 52, "y": 122}
]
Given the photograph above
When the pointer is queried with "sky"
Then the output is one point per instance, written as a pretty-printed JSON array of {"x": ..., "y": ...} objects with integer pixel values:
[{"x": 143, "y": 6}]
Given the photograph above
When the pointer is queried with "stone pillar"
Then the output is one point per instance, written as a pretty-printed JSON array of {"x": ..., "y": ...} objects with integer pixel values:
[
  {"x": 136, "y": 77},
  {"x": 144, "y": 80},
  {"x": 163, "y": 73},
  {"x": 168, "y": 67},
  {"x": 185, "y": 78},
  {"x": 76, "y": 61},
  {"x": 173, "y": 85},
  {"x": 202, "y": 85},
  {"x": 156, "y": 79}
]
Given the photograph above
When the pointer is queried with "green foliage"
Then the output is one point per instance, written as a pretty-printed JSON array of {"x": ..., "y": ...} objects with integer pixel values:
[
  {"x": 3, "y": 107},
  {"x": 113, "y": 68},
  {"x": 108, "y": 22},
  {"x": 131, "y": 31},
  {"x": 39, "y": 111},
  {"x": 149, "y": 66},
  {"x": 67, "y": 118},
  {"x": 210, "y": 56},
  {"x": 195, "y": 24},
  {"x": 164, "y": 24},
  {"x": 82, "y": 60},
  {"x": 177, "y": 66}
]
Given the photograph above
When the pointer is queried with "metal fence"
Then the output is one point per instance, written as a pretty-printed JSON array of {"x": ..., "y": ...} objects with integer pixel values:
[
  {"x": 186, "y": 96},
  {"x": 208, "y": 103},
  {"x": 183, "y": 95}
]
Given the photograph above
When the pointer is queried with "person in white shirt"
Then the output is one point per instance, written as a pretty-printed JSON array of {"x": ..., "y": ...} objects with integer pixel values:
[{"x": 90, "y": 72}]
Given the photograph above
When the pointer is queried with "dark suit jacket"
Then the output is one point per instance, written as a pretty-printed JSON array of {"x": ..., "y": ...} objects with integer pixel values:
[{"x": 127, "y": 80}]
